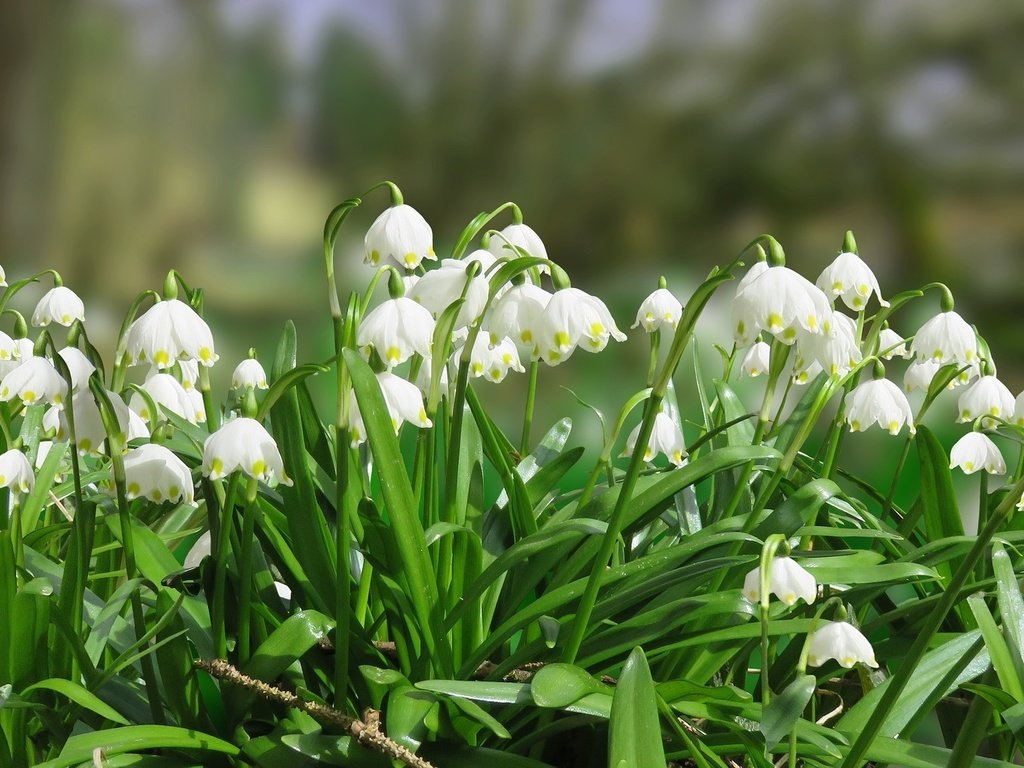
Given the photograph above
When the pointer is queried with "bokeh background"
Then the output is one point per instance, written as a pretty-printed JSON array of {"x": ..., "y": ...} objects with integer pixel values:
[{"x": 640, "y": 137}]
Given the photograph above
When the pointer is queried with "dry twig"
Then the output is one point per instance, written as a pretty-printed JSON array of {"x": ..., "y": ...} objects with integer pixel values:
[{"x": 367, "y": 731}]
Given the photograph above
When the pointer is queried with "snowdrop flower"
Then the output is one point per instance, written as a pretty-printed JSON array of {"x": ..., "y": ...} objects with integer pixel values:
[
  {"x": 34, "y": 381},
  {"x": 249, "y": 374},
  {"x": 805, "y": 369},
  {"x": 494, "y": 362},
  {"x": 189, "y": 370},
  {"x": 574, "y": 318},
  {"x": 396, "y": 329},
  {"x": 401, "y": 234},
  {"x": 519, "y": 236},
  {"x": 976, "y": 451},
  {"x": 79, "y": 366},
  {"x": 246, "y": 445},
  {"x": 423, "y": 377},
  {"x": 518, "y": 315},
  {"x": 1018, "y": 410},
  {"x": 836, "y": 349},
  {"x": 90, "y": 433},
  {"x": 154, "y": 472},
  {"x": 987, "y": 396},
  {"x": 755, "y": 271},
  {"x": 58, "y": 305},
  {"x": 483, "y": 256},
  {"x": 21, "y": 350},
  {"x": 891, "y": 344},
  {"x": 756, "y": 361},
  {"x": 403, "y": 401},
  {"x": 666, "y": 438},
  {"x": 782, "y": 302},
  {"x": 852, "y": 280},
  {"x": 3, "y": 278},
  {"x": 16, "y": 471},
  {"x": 946, "y": 338},
  {"x": 9, "y": 349},
  {"x": 45, "y": 446},
  {"x": 878, "y": 401},
  {"x": 170, "y": 330},
  {"x": 440, "y": 288},
  {"x": 787, "y": 580},
  {"x": 841, "y": 641},
  {"x": 658, "y": 311},
  {"x": 166, "y": 391}
]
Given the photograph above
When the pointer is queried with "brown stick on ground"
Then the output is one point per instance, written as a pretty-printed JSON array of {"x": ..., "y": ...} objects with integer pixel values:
[{"x": 367, "y": 733}]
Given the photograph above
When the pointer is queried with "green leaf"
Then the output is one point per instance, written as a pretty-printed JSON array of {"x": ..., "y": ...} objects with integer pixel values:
[
  {"x": 941, "y": 514},
  {"x": 785, "y": 709},
  {"x": 481, "y": 690},
  {"x": 1011, "y": 605},
  {"x": 741, "y": 431},
  {"x": 116, "y": 741},
  {"x": 798, "y": 509},
  {"x": 411, "y": 715},
  {"x": 998, "y": 651},
  {"x": 79, "y": 695},
  {"x": 296, "y": 635},
  {"x": 634, "y": 733},
  {"x": 558, "y": 685}
]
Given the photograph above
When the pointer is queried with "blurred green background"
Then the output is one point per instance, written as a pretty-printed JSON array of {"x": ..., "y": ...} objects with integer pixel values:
[{"x": 639, "y": 136}]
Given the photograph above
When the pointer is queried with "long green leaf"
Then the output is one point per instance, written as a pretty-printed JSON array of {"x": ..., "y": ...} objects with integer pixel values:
[
  {"x": 116, "y": 741},
  {"x": 634, "y": 733}
]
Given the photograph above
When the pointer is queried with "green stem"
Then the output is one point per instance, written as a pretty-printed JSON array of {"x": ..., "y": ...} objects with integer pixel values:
[
  {"x": 245, "y": 571},
  {"x": 222, "y": 549},
  {"x": 531, "y": 396}
]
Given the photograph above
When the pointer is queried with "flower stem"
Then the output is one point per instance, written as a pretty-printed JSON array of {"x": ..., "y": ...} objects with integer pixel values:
[
  {"x": 245, "y": 570},
  {"x": 531, "y": 396},
  {"x": 222, "y": 549}
]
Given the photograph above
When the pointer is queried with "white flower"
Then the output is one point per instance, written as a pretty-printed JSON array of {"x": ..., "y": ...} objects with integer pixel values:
[
  {"x": 79, "y": 366},
  {"x": 851, "y": 279},
  {"x": 494, "y": 362},
  {"x": 666, "y": 438},
  {"x": 780, "y": 301},
  {"x": 520, "y": 236},
  {"x": 16, "y": 471},
  {"x": 987, "y": 396},
  {"x": 423, "y": 376},
  {"x": 3, "y": 278},
  {"x": 878, "y": 401},
  {"x": 518, "y": 315},
  {"x": 836, "y": 349},
  {"x": 440, "y": 288},
  {"x": 158, "y": 474},
  {"x": 755, "y": 271},
  {"x": 1018, "y": 410},
  {"x": 20, "y": 351},
  {"x": 9, "y": 349},
  {"x": 169, "y": 331},
  {"x": 946, "y": 338},
  {"x": 574, "y": 318},
  {"x": 756, "y": 361},
  {"x": 34, "y": 381},
  {"x": 403, "y": 401},
  {"x": 200, "y": 549},
  {"x": 401, "y": 234},
  {"x": 189, "y": 370},
  {"x": 396, "y": 329},
  {"x": 976, "y": 451},
  {"x": 90, "y": 434},
  {"x": 243, "y": 444},
  {"x": 58, "y": 305},
  {"x": 249, "y": 374},
  {"x": 485, "y": 257},
  {"x": 787, "y": 580},
  {"x": 805, "y": 369},
  {"x": 659, "y": 310},
  {"x": 166, "y": 391},
  {"x": 891, "y": 344},
  {"x": 841, "y": 641}
]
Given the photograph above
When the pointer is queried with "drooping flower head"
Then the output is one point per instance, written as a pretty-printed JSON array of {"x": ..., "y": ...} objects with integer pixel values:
[
  {"x": 975, "y": 451},
  {"x": 440, "y": 288},
  {"x": 518, "y": 315},
  {"x": 987, "y": 396},
  {"x": 243, "y": 444},
  {"x": 79, "y": 366},
  {"x": 841, "y": 641},
  {"x": 780, "y": 301},
  {"x": 35, "y": 380},
  {"x": 396, "y": 329},
  {"x": 403, "y": 400},
  {"x": 90, "y": 432},
  {"x": 836, "y": 349},
  {"x": 891, "y": 344},
  {"x": 169, "y": 331},
  {"x": 787, "y": 580},
  {"x": 946, "y": 338},
  {"x": 574, "y": 319},
  {"x": 58, "y": 305},
  {"x": 168, "y": 393},
  {"x": 661, "y": 310},
  {"x": 518, "y": 236},
  {"x": 881, "y": 402},
  {"x": 493, "y": 362},
  {"x": 155, "y": 472},
  {"x": 666, "y": 438},
  {"x": 756, "y": 361},
  {"x": 849, "y": 278},
  {"x": 16, "y": 471},
  {"x": 249, "y": 374},
  {"x": 401, "y": 234}
]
